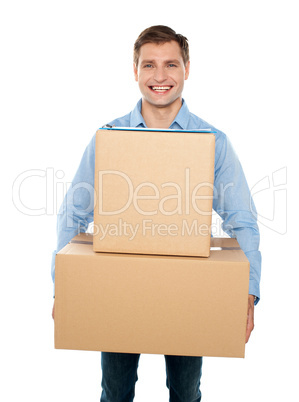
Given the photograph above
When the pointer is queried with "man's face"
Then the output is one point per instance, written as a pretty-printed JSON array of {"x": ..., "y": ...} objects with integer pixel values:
[{"x": 161, "y": 73}]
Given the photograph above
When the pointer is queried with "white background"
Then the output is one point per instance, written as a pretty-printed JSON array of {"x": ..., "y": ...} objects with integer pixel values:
[{"x": 66, "y": 69}]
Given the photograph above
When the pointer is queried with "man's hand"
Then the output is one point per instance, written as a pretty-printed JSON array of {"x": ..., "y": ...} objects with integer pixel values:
[
  {"x": 53, "y": 310},
  {"x": 250, "y": 317}
]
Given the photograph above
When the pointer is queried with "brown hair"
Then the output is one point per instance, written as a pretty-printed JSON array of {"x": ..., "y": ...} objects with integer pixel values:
[{"x": 161, "y": 34}]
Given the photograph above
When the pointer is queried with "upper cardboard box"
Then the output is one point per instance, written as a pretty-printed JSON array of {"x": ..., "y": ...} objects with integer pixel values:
[
  {"x": 131, "y": 303},
  {"x": 153, "y": 191}
]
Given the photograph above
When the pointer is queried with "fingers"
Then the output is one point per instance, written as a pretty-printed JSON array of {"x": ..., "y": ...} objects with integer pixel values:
[{"x": 250, "y": 319}]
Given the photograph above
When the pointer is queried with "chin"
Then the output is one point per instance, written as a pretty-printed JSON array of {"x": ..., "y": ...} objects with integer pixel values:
[{"x": 163, "y": 102}]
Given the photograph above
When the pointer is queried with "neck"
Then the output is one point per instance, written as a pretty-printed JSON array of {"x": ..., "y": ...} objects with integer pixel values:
[{"x": 160, "y": 117}]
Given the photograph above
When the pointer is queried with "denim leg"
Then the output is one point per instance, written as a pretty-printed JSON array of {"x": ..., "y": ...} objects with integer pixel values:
[
  {"x": 119, "y": 375},
  {"x": 183, "y": 378}
]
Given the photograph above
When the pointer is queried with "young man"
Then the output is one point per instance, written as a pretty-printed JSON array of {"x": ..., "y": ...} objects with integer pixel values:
[{"x": 161, "y": 66}]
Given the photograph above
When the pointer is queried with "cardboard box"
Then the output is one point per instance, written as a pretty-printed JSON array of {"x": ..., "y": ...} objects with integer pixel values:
[
  {"x": 152, "y": 304},
  {"x": 153, "y": 191}
]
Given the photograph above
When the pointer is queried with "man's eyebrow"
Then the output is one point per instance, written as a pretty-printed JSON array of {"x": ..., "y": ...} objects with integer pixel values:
[
  {"x": 147, "y": 61},
  {"x": 172, "y": 61}
]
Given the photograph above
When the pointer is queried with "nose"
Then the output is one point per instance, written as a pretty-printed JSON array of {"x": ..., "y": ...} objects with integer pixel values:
[{"x": 160, "y": 74}]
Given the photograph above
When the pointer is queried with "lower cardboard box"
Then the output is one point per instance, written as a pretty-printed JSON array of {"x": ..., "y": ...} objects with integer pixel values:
[{"x": 130, "y": 303}]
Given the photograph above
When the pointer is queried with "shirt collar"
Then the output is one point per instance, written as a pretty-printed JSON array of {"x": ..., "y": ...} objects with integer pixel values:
[
  {"x": 181, "y": 119},
  {"x": 136, "y": 119}
]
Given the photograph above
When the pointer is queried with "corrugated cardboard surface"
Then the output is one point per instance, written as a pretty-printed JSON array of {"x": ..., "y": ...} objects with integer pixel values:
[
  {"x": 152, "y": 304},
  {"x": 153, "y": 192}
]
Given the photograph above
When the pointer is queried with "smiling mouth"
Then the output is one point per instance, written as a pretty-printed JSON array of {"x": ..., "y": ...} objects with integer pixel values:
[{"x": 160, "y": 89}]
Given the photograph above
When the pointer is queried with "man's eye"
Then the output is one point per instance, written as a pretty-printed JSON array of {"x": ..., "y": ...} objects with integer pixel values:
[
  {"x": 147, "y": 65},
  {"x": 171, "y": 65}
]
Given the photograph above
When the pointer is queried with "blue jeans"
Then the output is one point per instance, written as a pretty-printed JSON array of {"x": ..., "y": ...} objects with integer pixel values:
[{"x": 119, "y": 375}]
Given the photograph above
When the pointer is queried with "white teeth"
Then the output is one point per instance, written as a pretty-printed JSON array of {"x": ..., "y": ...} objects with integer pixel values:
[{"x": 160, "y": 88}]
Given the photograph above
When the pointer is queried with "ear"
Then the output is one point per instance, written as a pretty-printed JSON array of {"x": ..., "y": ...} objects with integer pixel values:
[
  {"x": 187, "y": 70},
  {"x": 135, "y": 72}
]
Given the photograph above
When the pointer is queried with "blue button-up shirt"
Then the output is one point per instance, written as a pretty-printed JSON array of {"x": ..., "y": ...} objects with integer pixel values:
[{"x": 231, "y": 200}]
